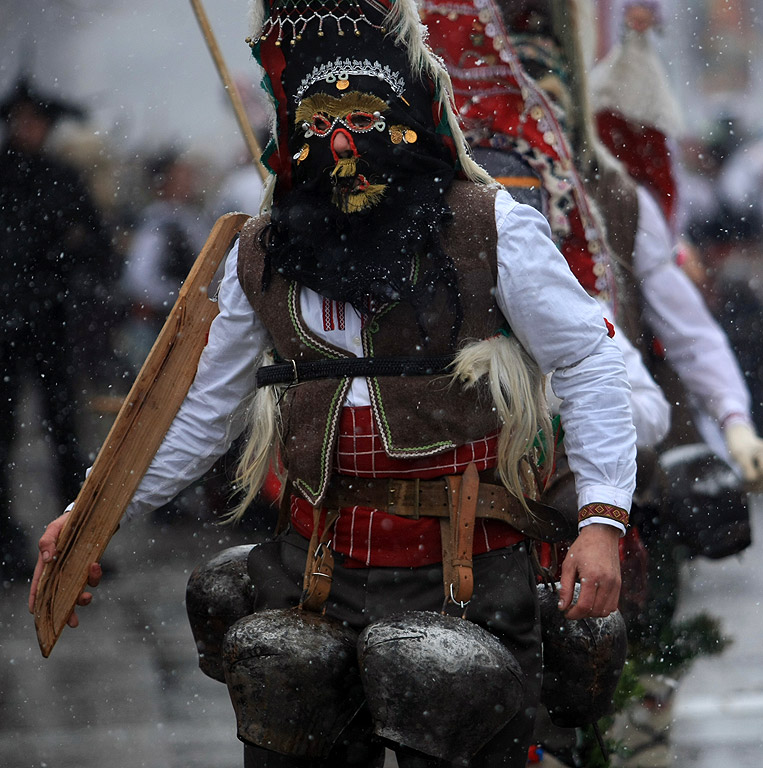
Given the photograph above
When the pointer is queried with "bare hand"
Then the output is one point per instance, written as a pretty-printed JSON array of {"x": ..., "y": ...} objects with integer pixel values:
[
  {"x": 48, "y": 552},
  {"x": 594, "y": 561}
]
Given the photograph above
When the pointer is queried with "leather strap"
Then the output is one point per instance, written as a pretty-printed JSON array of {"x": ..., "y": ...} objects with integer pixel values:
[
  {"x": 319, "y": 568},
  {"x": 294, "y": 372},
  {"x": 458, "y": 535},
  {"x": 431, "y": 498}
]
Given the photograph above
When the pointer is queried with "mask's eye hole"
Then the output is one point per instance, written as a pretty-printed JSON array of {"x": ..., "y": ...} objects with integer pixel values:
[
  {"x": 321, "y": 124},
  {"x": 360, "y": 121}
]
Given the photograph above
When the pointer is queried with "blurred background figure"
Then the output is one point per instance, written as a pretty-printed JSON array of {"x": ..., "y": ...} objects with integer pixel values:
[
  {"x": 241, "y": 186},
  {"x": 52, "y": 247},
  {"x": 169, "y": 236},
  {"x": 639, "y": 120}
]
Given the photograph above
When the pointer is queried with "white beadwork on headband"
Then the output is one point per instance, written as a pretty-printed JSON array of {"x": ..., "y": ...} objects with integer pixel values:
[
  {"x": 341, "y": 69},
  {"x": 290, "y": 18}
]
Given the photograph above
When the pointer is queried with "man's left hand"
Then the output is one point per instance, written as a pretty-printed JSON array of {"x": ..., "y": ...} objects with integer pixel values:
[{"x": 594, "y": 561}]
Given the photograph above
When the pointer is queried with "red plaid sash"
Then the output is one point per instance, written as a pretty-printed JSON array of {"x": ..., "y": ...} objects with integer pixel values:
[{"x": 372, "y": 537}]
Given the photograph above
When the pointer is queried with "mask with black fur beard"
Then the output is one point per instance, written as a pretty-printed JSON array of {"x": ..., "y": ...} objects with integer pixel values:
[{"x": 362, "y": 221}]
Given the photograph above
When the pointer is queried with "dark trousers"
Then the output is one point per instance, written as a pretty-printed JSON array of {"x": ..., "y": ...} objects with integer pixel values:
[
  {"x": 38, "y": 350},
  {"x": 504, "y": 603}
]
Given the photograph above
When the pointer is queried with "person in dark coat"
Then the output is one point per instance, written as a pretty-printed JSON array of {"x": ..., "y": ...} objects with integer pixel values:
[{"x": 50, "y": 243}]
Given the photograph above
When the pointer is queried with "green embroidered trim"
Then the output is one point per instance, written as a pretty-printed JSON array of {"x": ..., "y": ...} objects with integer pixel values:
[
  {"x": 330, "y": 428},
  {"x": 388, "y": 435},
  {"x": 267, "y": 86},
  {"x": 268, "y": 152},
  {"x": 416, "y": 269},
  {"x": 369, "y": 343},
  {"x": 292, "y": 304}
]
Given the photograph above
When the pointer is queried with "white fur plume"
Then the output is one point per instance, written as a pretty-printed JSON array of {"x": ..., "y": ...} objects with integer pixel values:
[{"x": 517, "y": 388}]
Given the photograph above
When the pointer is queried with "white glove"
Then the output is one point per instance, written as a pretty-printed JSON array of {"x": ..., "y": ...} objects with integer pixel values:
[{"x": 746, "y": 448}]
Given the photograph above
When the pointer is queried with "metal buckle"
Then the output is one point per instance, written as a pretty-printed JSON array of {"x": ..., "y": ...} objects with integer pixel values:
[
  {"x": 294, "y": 369},
  {"x": 452, "y": 599},
  {"x": 457, "y": 602},
  {"x": 321, "y": 546},
  {"x": 320, "y": 550}
]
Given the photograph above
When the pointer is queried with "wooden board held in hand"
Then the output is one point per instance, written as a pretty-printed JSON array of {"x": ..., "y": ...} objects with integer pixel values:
[{"x": 137, "y": 432}]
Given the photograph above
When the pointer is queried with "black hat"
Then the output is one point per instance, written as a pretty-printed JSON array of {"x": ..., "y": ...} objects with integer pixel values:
[{"x": 52, "y": 108}]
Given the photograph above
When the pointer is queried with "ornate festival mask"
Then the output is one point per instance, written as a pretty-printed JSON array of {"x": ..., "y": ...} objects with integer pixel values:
[{"x": 359, "y": 98}]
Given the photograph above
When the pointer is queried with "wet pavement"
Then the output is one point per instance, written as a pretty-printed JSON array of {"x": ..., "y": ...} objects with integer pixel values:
[
  {"x": 718, "y": 708},
  {"x": 124, "y": 690}
]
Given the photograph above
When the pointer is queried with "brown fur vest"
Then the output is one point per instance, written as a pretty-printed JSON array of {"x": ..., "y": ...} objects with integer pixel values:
[{"x": 416, "y": 415}]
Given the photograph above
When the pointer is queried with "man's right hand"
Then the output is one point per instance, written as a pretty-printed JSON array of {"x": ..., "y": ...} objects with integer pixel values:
[{"x": 48, "y": 553}]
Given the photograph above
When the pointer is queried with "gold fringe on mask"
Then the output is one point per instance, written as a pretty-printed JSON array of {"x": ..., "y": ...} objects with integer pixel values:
[
  {"x": 338, "y": 106},
  {"x": 357, "y": 201},
  {"x": 345, "y": 167}
]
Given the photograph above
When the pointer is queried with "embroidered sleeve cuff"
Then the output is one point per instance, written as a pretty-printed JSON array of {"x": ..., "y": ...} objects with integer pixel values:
[{"x": 607, "y": 512}]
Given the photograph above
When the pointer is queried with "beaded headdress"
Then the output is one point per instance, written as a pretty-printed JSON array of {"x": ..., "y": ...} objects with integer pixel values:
[
  {"x": 289, "y": 19},
  {"x": 304, "y": 44}
]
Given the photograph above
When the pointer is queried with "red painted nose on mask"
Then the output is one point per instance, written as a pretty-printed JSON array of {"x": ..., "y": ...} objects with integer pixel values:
[{"x": 342, "y": 144}]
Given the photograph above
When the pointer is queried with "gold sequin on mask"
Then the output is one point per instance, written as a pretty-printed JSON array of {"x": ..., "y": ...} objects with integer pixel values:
[
  {"x": 400, "y": 133},
  {"x": 302, "y": 154}
]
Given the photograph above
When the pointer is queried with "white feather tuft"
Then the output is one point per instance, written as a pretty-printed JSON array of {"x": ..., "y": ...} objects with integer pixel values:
[
  {"x": 517, "y": 388},
  {"x": 262, "y": 448}
]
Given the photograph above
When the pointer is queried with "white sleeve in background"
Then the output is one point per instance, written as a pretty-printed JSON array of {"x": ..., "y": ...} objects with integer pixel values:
[
  {"x": 212, "y": 414},
  {"x": 695, "y": 345},
  {"x": 142, "y": 280},
  {"x": 563, "y": 330},
  {"x": 739, "y": 184},
  {"x": 650, "y": 409}
]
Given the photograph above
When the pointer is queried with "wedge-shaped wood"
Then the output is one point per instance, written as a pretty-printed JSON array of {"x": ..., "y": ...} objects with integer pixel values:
[{"x": 137, "y": 432}]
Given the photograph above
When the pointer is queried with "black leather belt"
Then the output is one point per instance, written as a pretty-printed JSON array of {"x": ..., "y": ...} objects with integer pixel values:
[{"x": 294, "y": 372}]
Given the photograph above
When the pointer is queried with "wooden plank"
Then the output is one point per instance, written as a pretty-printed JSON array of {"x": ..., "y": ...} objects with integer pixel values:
[{"x": 137, "y": 432}]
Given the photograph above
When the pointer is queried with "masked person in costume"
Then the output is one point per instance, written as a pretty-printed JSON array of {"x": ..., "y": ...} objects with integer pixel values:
[
  {"x": 396, "y": 314},
  {"x": 521, "y": 89},
  {"x": 520, "y": 134},
  {"x": 640, "y": 126}
]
